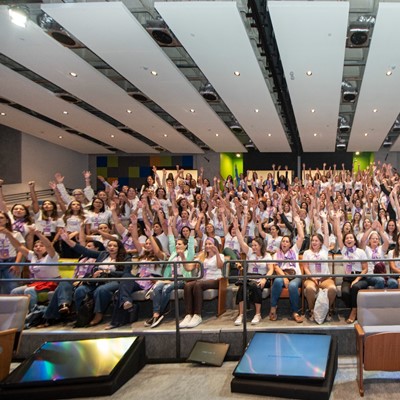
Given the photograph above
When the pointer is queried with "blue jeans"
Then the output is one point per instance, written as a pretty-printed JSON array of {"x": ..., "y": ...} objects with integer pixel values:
[
  {"x": 102, "y": 295},
  {"x": 162, "y": 293},
  {"x": 378, "y": 282},
  {"x": 294, "y": 296},
  {"x": 62, "y": 295},
  {"x": 30, "y": 290},
  {"x": 6, "y": 287}
]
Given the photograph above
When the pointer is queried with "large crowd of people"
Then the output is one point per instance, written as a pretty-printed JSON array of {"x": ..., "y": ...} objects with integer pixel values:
[{"x": 270, "y": 221}]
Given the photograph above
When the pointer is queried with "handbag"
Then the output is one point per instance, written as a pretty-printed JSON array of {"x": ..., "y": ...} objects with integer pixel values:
[{"x": 321, "y": 307}]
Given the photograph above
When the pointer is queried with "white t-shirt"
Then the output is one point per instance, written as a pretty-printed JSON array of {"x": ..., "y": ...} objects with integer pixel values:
[
  {"x": 211, "y": 270},
  {"x": 289, "y": 256},
  {"x": 314, "y": 266},
  {"x": 351, "y": 255},
  {"x": 257, "y": 267},
  {"x": 39, "y": 269},
  {"x": 6, "y": 248}
]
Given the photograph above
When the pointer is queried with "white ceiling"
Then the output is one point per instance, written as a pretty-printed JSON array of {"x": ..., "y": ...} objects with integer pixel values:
[{"x": 218, "y": 39}]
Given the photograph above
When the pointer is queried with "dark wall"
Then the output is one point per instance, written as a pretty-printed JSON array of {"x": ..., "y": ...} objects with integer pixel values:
[
  {"x": 10, "y": 155},
  {"x": 260, "y": 161}
]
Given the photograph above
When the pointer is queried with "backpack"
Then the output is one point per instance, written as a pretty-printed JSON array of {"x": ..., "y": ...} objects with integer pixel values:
[{"x": 86, "y": 312}]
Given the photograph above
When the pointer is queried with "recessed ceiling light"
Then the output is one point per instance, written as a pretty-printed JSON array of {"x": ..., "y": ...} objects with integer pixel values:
[
  {"x": 74, "y": 74},
  {"x": 365, "y": 134},
  {"x": 129, "y": 111},
  {"x": 60, "y": 137},
  {"x": 18, "y": 16},
  {"x": 154, "y": 73},
  {"x": 236, "y": 73},
  {"x": 112, "y": 135},
  {"x": 217, "y": 134},
  {"x": 3, "y": 114},
  {"x": 313, "y": 110},
  {"x": 269, "y": 134},
  {"x": 315, "y": 134},
  {"x": 375, "y": 110},
  {"x": 165, "y": 135},
  {"x": 256, "y": 110},
  {"x": 192, "y": 110},
  {"x": 390, "y": 72},
  {"x": 309, "y": 73},
  {"x": 65, "y": 112}
]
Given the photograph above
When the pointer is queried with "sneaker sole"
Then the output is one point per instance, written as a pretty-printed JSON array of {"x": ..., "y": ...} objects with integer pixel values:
[{"x": 158, "y": 322}]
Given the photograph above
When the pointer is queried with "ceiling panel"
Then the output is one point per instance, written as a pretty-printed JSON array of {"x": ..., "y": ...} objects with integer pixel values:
[
  {"x": 215, "y": 36},
  {"x": 127, "y": 47},
  {"x": 21, "y": 121},
  {"x": 378, "y": 90},
  {"x": 311, "y": 36},
  {"x": 37, "y": 51}
]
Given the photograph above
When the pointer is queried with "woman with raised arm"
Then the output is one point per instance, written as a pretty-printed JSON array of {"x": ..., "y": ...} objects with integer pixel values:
[
  {"x": 286, "y": 266},
  {"x": 150, "y": 253},
  {"x": 193, "y": 291},
  {"x": 355, "y": 267},
  {"x": 257, "y": 255},
  {"x": 46, "y": 216},
  {"x": 319, "y": 247},
  {"x": 9, "y": 254},
  {"x": 61, "y": 301},
  {"x": 102, "y": 293},
  {"x": 43, "y": 253},
  {"x": 181, "y": 250},
  {"x": 371, "y": 244},
  {"x": 96, "y": 215}
]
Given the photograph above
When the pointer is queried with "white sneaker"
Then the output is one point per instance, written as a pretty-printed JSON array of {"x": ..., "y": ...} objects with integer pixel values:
[
  {"x": 256, "y": 320},
  {"x": 239, "y": 320},
  {"x": 185, "y": 321},
  {"x": 196, "y": 320}
]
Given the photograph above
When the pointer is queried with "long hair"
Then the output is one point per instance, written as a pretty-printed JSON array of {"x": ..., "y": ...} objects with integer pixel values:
[
  {"x": 69, "y": 213},
  {"x": 27, "y": 217},
  {"x": 53, "y": 214},
  {"x": 8, "y": 219}
]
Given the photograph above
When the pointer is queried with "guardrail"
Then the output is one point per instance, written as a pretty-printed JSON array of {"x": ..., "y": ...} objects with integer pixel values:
[{"x": 200, "y": 275}]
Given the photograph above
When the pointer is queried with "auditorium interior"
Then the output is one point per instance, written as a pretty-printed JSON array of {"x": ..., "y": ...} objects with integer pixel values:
[{"x": 136, "y": 88}]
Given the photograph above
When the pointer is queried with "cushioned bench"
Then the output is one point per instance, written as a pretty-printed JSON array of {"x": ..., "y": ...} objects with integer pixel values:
[{"x": 377, "y": 332}]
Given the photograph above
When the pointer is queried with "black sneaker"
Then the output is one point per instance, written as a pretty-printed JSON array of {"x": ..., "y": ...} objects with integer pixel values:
[
  {"x": 157, "y": 321},
  {"x": 149, "y": 322}
]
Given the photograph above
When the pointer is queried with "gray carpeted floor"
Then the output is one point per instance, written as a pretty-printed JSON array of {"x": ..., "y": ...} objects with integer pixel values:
[{"x": 191, "y": 381}]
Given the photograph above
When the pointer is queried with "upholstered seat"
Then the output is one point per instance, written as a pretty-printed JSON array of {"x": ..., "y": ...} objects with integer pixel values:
[{"x": 377, "y": 332}]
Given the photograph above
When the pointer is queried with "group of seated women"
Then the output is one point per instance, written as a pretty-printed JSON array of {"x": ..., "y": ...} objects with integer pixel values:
[{"x": 176, "y": 224}]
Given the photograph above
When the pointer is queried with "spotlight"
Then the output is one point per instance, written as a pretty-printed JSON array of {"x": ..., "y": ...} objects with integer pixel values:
[
  {"x": 161, "y": 34},
  {"x": 235, "y": 127},
  {"x": 349, "y": 92},
  {"x": 343, "y": 124},
  {"x": 359, "y": 32},
  {"x": 19, "y": 15},
  {"x": 208, "y": 92},
  {"x": 396, "y": 125},
  {"x": 55, "y": 30}
]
